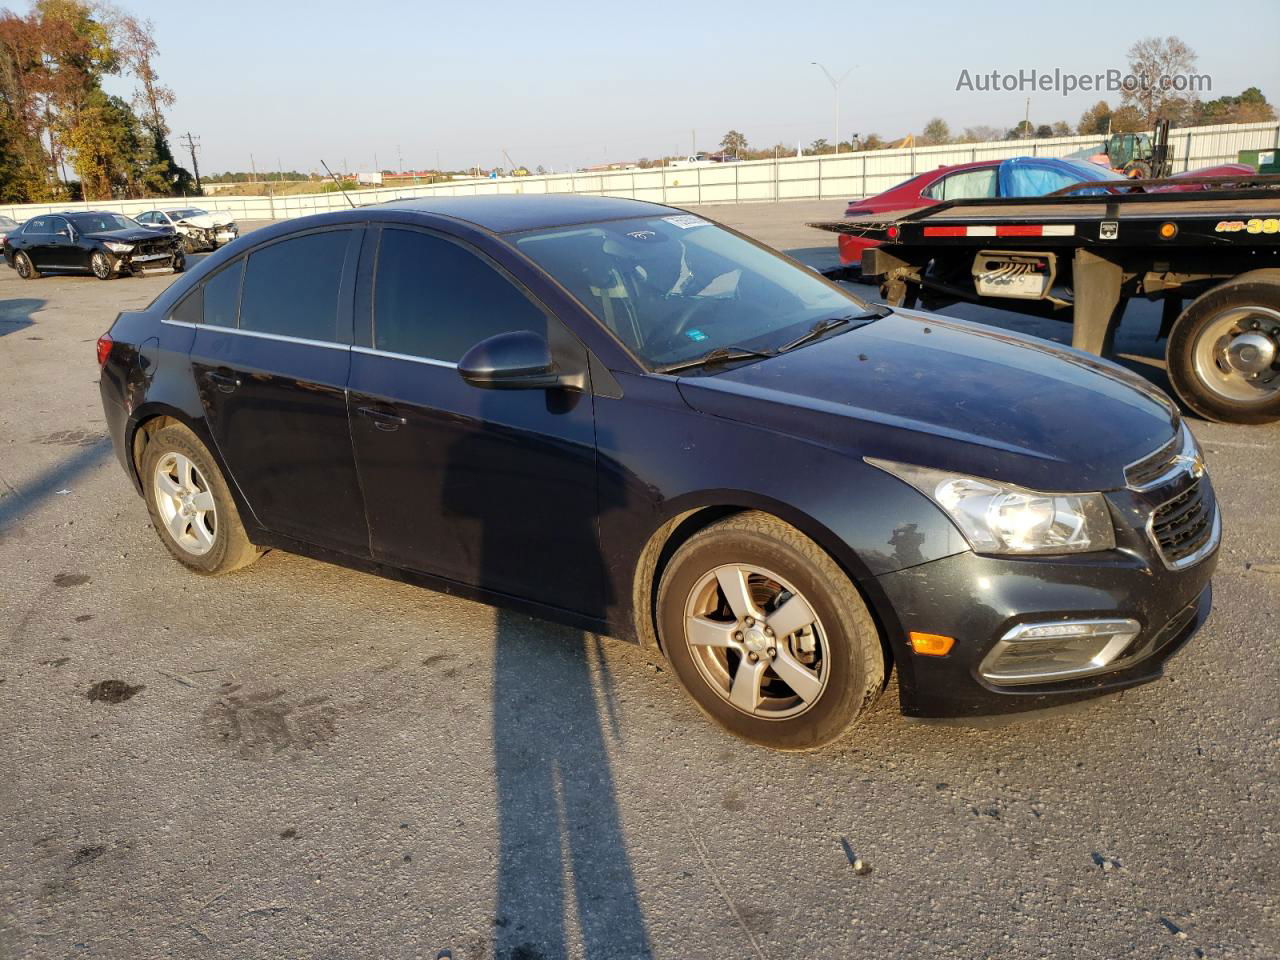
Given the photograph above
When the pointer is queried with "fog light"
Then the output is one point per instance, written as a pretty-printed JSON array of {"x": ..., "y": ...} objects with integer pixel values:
[{"x": 1044, "y": 652}]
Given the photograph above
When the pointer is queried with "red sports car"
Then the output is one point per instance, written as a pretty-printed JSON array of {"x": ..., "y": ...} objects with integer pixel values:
[{"x": 1015, "y": 177}]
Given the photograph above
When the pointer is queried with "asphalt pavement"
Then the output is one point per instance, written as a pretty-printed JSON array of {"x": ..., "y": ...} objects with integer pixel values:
[{"x": 301, "y": 761}]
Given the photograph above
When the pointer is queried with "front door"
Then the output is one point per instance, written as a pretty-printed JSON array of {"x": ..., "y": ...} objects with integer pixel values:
[
  {"x": 491, "y": 488},
  {"x": 271, "y": 360},
  {"x": 63, "y": 252}
]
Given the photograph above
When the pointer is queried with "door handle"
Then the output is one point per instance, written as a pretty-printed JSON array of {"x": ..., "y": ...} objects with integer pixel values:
[
  {"x": 225, "y": 382},
  {"x": 382, "y": 420}
]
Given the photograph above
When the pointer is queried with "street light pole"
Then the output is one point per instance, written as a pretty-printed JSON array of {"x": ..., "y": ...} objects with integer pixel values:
[{"x": 835, "y": 90}]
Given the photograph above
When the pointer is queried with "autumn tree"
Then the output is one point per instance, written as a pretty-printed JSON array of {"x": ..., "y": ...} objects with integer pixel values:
[{"x": 1156, "y": 62}]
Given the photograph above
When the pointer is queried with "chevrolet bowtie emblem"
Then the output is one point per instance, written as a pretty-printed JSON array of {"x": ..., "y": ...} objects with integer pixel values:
[{"x": 1195, "y": 465}]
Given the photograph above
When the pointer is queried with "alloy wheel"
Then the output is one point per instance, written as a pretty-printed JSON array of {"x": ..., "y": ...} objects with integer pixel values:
[
  {"x": 23, "y": 266},
  {"x": 756, "y": 641},
  {"x": 186, "y": 504},
  {"x": 100, "y": 264}
]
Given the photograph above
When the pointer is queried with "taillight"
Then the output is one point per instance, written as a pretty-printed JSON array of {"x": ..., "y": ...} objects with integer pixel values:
[{"x": 104, "y": 348}]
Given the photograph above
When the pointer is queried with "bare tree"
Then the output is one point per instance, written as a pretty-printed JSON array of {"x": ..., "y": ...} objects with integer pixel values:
[{"x": 1155, "y": 62}]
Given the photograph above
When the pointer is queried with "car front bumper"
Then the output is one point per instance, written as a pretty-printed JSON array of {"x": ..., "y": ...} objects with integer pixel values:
[{"x": 979, "y": 600}]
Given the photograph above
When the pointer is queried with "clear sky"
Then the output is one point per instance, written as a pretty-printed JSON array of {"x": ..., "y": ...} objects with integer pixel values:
[{"x": 567, "y": 84}]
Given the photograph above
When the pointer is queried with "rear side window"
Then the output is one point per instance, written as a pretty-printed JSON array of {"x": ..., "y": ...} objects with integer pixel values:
[
  {"x": 291, "y": 288},
  {"x": 433, "y": 298},
  {"x": 37, "y": 225},
  {"x": 222, "y": 295}
]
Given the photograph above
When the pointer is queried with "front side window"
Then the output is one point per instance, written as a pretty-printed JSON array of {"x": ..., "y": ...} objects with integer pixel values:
[
  {"x": 58, "y": 226},
  {"x": 291, "y": 287},
  {"x": 672, "y": 288},
  {"x": 434, "y": 298},
  {"x": 102, "y": 222},
  {"x": 965, "y": 185}
]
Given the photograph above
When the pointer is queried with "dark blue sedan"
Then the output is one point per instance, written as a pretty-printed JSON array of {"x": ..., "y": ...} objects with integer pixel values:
[{"x": 631, "y": 419}]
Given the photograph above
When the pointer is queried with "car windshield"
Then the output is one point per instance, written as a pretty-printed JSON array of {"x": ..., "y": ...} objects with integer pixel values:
[
  {"x": 673, "y": 288},
  {"x": 183, "y": 214},
  {"x": 102, "y": 222}
]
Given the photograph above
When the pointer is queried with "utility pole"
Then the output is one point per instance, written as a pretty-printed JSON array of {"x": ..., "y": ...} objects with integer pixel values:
[
  {"x": 1026, "y": 120},
  {"x": 253, "y": 168},
  {"x": 193, "y": 144},
  {"x": 835, "y": 89}
]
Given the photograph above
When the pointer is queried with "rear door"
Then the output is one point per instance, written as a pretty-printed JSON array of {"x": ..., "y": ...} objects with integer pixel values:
[
  {"x": 492, "y": 488},
  {"x": 37, "y": 236},
  {"x": 271, "y": 359}
]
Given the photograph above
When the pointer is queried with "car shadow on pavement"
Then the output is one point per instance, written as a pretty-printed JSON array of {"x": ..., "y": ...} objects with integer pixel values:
[{"x": 16, "y": 314}]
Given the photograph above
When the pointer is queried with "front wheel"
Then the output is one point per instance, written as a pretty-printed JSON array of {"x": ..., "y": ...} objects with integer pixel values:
[
  {"x": 26, "y": 269},
  {"x": 101, "y": 265},
  {"x": 1224, "y": 350},
  {"x": 190, "y": 505},
  {"x": 767, "y": 634}
]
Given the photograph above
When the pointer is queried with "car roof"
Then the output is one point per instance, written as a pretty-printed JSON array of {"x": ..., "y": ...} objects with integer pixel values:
[{"x": 507, "y": 214}]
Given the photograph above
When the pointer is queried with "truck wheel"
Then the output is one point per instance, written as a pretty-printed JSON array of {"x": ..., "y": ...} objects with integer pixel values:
[
  {"x": 1137, "y": 170},
  {"x": 1224, "y": 351},
  {"x": 767, "y": 634}
]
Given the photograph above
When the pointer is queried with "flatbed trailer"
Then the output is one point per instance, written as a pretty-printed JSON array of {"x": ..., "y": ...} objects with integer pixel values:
[{"x": 1212, "y": 256}]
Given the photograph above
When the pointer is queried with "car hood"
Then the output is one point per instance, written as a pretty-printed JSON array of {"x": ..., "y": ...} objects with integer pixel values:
[
  {"x": 128, "y": 236},
  {"x": 937, "y": 392}
]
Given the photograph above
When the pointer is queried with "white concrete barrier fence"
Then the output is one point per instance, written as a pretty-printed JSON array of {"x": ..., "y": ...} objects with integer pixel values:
[{"x": 833, "y": 176}]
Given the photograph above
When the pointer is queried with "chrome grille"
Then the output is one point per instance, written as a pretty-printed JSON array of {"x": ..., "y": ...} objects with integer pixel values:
[
  {"x": 1151, "y": 469},
  {"x": 1184, "y": 526}
]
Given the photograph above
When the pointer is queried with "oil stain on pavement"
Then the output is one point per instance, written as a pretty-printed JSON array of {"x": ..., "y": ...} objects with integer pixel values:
[
  {"x": 71, "y": 579},
  {"x": 113, "y": 691},
  {"x": 263, "y": 724}
]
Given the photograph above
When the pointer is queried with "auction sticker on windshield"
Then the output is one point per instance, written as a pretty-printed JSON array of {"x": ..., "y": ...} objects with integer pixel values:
[{"x": 685, "y": 221}]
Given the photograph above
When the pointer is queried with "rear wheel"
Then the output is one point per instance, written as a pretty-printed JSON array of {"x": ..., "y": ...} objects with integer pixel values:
[
  {"x": 767, "y": 634},
  {"x": 190, "y": 505},
  {"x": 1224, "y": 350},
  {"x": 101, "y": 265},
  {"x": 26, "y": 269}
]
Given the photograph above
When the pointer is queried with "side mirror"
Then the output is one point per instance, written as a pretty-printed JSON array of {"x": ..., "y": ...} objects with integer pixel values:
[{"x": 519, "y": 360}]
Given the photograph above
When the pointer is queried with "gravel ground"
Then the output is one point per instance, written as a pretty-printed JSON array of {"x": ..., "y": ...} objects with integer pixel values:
[{"x": 301, "y": 761}]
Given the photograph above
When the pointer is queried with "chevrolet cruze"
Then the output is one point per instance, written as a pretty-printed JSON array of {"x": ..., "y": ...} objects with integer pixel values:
[{"x": 630, "y": 419}]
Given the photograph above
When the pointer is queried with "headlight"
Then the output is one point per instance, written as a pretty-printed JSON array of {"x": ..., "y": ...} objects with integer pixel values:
[
  {"x": 118, "y": 247},
  {"x": 999, "y": 518}
]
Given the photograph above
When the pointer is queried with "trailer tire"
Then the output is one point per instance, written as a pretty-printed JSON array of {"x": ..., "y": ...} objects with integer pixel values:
[{"x": 1219, "y": 383}]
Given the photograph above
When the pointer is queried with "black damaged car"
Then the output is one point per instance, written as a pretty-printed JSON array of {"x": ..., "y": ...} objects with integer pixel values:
[
  {"x": 628, "y": 418},
  {"x": 104, "y": 244}
]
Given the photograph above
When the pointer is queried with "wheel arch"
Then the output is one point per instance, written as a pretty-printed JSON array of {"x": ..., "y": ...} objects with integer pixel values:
[
  {"x": 152, "y": 417},
  {"x": 688, "y": 516}
]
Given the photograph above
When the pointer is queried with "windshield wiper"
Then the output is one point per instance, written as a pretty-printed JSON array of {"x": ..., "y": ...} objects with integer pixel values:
[
  {"x": 823, "y": 326},
  {"x": 718, "y": 355}
]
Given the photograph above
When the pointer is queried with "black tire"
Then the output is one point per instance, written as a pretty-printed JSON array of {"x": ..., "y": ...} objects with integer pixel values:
[
  {"x": 855, "y": 659},
  {"x": 101, "y": 265},
  {"x": 231, "y": 548},
  {"x": 179, "y": 261},
  {"x": 1137, "y": 170},
  {"x": 1257, "y": 288},
  {"x": 25, "y": 268}
]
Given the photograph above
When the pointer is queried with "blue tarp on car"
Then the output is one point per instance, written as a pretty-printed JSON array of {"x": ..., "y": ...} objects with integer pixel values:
[{"x": 1036, "y": 176}]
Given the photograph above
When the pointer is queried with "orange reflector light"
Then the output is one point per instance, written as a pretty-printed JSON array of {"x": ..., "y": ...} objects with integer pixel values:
[
  {"x": 931, "y": 644},
  {"x": 1168, "y": 231}
]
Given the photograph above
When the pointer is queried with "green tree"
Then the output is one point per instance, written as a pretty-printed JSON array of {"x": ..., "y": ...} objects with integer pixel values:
[
  {"x": 820, "y": 146},
  {"x": 733, "y": 143},
  {"x": 1095, "y": 120},
  {"x": 936, "y": 132}
]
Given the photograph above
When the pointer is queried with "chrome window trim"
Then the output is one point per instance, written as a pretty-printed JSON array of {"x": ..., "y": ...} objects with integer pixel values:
[
  {"x": 430, "y": 361},
  {"x": 263, "y": 335},
  {"x": 1210, "y": 545}
]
